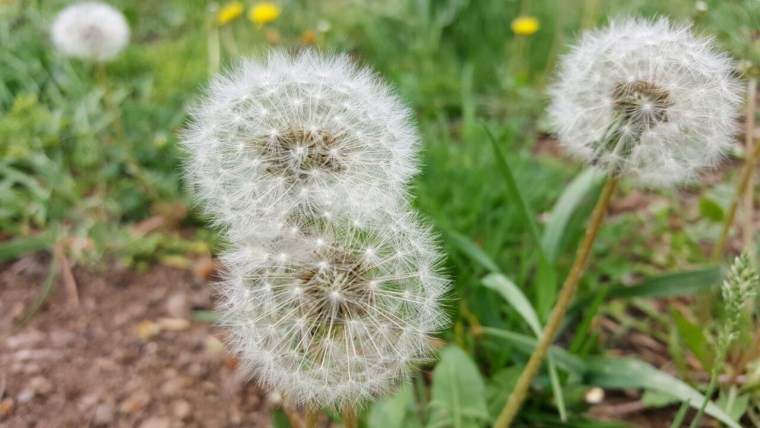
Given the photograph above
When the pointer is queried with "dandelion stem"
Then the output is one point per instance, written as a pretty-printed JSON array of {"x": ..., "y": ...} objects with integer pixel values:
[
  {"x": 349, "y": 418},
  {"x": 749, "y": 166},
  {"x": 750, "y": 147},
  {"x": 311, "y": 416},
  {"x": 563, "y": 302}
]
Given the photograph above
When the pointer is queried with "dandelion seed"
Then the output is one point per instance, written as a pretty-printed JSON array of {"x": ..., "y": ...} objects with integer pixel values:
[
  {"x": 334, "y": 137},
  {"x": 344, "y": 327},
  {"x": 646, "y": 99},
  {"x": 525, "y": 25},
  {"x": 91, "y": 30},
  {"x": 264, "y": 13},
  {"x": 229, "y": 12}
]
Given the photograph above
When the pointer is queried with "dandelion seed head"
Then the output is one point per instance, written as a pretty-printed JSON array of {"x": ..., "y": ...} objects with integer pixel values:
[
  {"x": 646, "y": 99},
  {"x": 345, "y": 328},
  {"x": 90, "y": 30},
  {"x": 334, "y": 136}
]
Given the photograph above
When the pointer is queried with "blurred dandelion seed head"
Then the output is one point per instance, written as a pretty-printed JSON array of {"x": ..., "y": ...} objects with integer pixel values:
[
  {"x": 264, "y": 13},
  {"x": 91, "y": 30},
  {"x": 334, "y": 312},
  {"x": 646, "y": 99},
  {"x": 298, "y": 135},
  {"x": 525, "y": 25}
]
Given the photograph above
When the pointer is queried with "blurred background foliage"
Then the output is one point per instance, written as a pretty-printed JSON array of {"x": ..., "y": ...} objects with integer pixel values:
[{"x": 89, "y": 158}]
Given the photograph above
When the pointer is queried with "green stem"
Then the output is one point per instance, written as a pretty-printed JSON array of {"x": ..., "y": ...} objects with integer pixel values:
[{"x": 566, "y": 294}]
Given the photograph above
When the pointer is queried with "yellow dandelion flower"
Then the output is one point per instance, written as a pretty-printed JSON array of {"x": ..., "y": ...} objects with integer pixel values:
[
  {"x": 525, "y": 25},
  {"x": 229, "y": 12},
  {"x": 264, "y": 12}
]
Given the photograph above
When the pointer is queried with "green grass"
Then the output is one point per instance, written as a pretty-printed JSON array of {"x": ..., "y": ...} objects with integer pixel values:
[{"x": 83, "y": 159}]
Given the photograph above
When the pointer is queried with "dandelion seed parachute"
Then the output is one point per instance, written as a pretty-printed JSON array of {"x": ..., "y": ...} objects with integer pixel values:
[
  {"x": 334, "y": 312},
  {"x": 296, "y": 135},
  {"x": 90, "y": 30},
  {"x": 646, "y": 99}
]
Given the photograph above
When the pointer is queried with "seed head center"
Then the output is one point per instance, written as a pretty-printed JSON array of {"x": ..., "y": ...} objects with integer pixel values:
[
  {"x": 299, "y": 154},
  {"x": 641, "y": 103}
]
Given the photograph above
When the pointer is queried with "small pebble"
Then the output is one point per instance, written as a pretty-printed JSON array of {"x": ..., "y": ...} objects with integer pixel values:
[
  {"x": 173, "y": 324},
  {"x": 25, "y": 395},
  {"x": 41, "y": 386},
  {"x": 181, "y": 410},
  {"x": 156, "y": 422},
  {"x": 178, "y": 306},
  {"x": 103, "y": 415},
  {"x": 147, "y": 329},
  {"x": 213, "y": 345}
]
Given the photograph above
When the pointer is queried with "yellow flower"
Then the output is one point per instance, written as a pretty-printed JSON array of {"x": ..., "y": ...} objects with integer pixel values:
[
  {"x": 229, "y": 12},
  {"x": 264, "y": 12},
  {"x": 525, "y": 25}
]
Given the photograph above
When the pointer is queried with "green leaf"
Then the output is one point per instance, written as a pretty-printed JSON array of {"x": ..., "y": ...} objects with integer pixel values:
[
  {"x": 500, "y": 386},
  {"x": 710, "y": 210},
  {"x": 515, "y": 194},
  {"x": 668, "y": 285},
  {"x": 673, "y": 284},
  {"x": 396, "y": 411},
  {"x": 471, "y": 249},
  {"x": 526, "y": 345},
  {"x": 546, "y": 284},
  {"x": 694, "y": 338},
  {"x": 458, "y": 392},
  {"x": 515, "y": 298},
  {"x": 574, "y": 195},
  {"x": 655, "y": 399},
  {"x": 13, "y": 249},
  {"x": 206, "y": 316},
  {"x": 680, "y": 416},
  {"x": 280, "y": 419},
  {"x": 623, "y": 373},
  {"x": 733, "y": 404}
]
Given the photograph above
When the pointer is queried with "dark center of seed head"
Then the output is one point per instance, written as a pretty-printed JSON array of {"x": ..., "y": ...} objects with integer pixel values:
[
  {"x": 296, "y": 154},
  {"x": 336, "y": 288},
  {"x": 642, "y": 103}
]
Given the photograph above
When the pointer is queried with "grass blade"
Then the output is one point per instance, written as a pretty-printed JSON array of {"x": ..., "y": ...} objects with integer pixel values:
[
  {"x": 622, "y": 373},
  {"x": 526, "y": 344},
  {"x": 515, "y": 298},
  {"x": 546, "y": 283},
  {"x": 14, "y": 249},
  {"x": 579, "y": 189}
]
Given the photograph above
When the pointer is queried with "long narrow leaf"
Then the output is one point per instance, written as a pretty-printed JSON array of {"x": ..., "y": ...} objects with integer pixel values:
[
  {"x": 471, "y": 249},
  {"x": 575, "y": 193},
  {"x": 546, "y": 283},
  {"x": 526, "y": 344},
  {"x": 623, "y": 373},
  {"x": 515, "y": 298},
  {"x": 515, "y": 194}
]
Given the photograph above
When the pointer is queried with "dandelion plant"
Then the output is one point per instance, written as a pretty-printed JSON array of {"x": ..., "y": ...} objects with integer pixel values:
[
  {"x": 91, "y": 31},
  {"x": 646, "y": 100},
  {"x": 332, "y": 289}
]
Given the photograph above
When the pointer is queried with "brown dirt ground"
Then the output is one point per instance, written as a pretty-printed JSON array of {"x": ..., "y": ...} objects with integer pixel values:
[
  {"x": 128, "y": 356},
  {"x": 131, "y": 356}
]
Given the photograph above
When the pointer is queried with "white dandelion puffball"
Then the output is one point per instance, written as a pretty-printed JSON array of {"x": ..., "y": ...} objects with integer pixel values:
[
  {"x": 333, "y": 312},
  {"x": 646, "y": 99},
  {"x": 298, "y": 134},
  {"x": 92, "y": 31}
]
